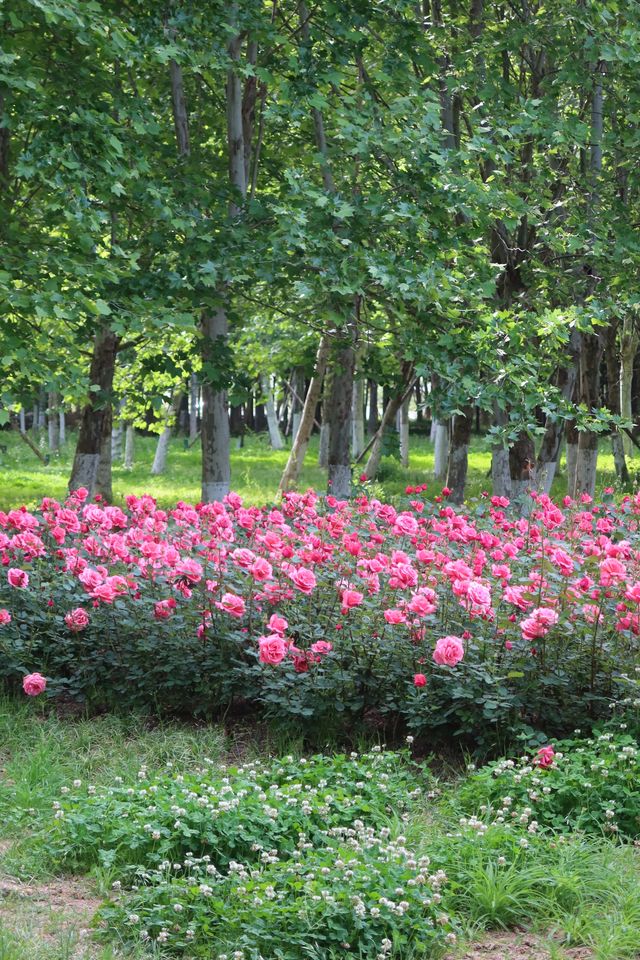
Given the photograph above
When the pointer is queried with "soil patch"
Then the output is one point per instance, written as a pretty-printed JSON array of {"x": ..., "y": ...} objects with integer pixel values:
[{"x": 515, "y": 945}]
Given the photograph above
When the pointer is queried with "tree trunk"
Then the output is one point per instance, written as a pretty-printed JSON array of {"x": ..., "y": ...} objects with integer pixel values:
[
  {"x": 571, "y": 435},
  {"x": 629, "y": 342},
  {"x": 216, "y": 448},
  {"x": 216, "y": 463},
  {"x": 162, "y": 447},
  {"x": 419, "y": 408},
  {"x": 62, "y": 420},
  {"x": 372, "y": 419},
  {"x": 459, "y": 454},
  {"x": 339, "y": 414},
  {"x": 500, "y": 470},
  {"x": 42, "y": 410},
  {"x": 277, "y": 443},
  {"x": 117, "y": 437},
  {"x": 297, "y": 403},
  {"x": 614, "y": 367},
  {"x": 357, "y": 414},
  {"x": 96, "y": 417},
  {"x": 104, "y": 477},
  {"x": 22, "y": 420},
  {"x": 53, "y": 423},
  {"x": 522, "y": 471},
  {"x": 549, "y": 455},
  {"x": 588, "y": 394},
  {"x": 388, "y": 417},
  {"x": 403, "y": 431},
  {"x": 129, "y": 446},
  {"x": 591, "y": 343},
  {"x": 301, "y": 440},
  {"x": 440, "y": 450},
  {"x": 325, "y": 426},
  {"x": 193, "y": 407}
]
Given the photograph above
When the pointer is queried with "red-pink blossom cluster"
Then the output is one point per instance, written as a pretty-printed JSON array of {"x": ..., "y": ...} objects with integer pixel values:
[{"x": 299, "y": 581}]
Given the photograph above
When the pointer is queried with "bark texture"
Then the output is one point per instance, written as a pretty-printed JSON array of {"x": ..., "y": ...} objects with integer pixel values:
[
  {"x": 95, "y": 424},
  {"x": 459, "y": 454}
]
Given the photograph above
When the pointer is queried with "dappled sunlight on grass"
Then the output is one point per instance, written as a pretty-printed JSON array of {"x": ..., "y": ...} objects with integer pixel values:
[{"x": 256, "y": 470}]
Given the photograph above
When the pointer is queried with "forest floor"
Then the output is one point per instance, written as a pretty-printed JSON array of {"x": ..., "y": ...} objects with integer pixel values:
[
  {"x": 48, "y": 916},
  {"x": 255, "y": 467}
]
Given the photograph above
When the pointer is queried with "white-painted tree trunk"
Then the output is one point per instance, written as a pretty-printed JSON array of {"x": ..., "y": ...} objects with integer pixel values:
[
  {"x": 62, "y": 420},
  {"x": 440, "y": 430},
  {"x": 129, "y": 446},
  {"x": 162, "y": 449},
  {"x": 117, "y": 438},
  {"x": 403, "y": 431},
  {"x": 275, "y": 436},
  {"x": 22, "y": 420}
]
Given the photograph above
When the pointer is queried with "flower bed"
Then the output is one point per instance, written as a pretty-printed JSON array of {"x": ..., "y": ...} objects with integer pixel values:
[{"x": 321, "y": 611}]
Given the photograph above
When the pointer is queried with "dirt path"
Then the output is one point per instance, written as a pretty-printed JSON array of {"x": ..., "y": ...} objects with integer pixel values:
[
  {"x": 519, "y": 946},
  {"x": 46, "y": 921}
]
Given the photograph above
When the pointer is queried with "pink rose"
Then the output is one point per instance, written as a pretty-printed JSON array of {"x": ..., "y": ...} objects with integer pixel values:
[
  {"x": 448, "y": 651},
  {"x": 231, "y": 604},
  {"x": 34, "y": 684},
  {"x": 76, "y": 619},
  {"x": 5, "y": 617},
  {"x": 273, "y": 648},
  {"x": 394, "y": 616},
  {"x": 17, "y": 578},
  {"x": 322, "y": 647},
  {"x": 304, "y": 579},
  {"x": 545, "y": 756},
  {"x": 405, "y": 525},
  {"x": 351, "y": 599},
  {"x": 90, "y": 578},
  {"x": 419, "y": 680},
  {"x": 277, "y": 624},
  {"x": 243, "y": 557},
  {"x": 300, "y": 659},
  {"x": 105, "y": 592},
  {"x": 538, "y": 623},
  {"x": 422, "y": 604},
  {"x": 261, "y": 570},
  {"x": 163, "y": 609}
]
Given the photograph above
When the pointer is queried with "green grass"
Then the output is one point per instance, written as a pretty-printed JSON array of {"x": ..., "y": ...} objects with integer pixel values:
[{"x": 256, "y": 471}]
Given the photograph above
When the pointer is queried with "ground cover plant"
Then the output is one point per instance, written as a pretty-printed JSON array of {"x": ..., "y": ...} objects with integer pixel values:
[
  {"x": 82, "y": 795},
  {"x": 328, "y": 613}
]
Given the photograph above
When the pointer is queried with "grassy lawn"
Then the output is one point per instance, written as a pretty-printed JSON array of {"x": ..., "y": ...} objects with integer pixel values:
[
  {"x": 578, "y": 901},
  {"x": 256, "y": 471}
]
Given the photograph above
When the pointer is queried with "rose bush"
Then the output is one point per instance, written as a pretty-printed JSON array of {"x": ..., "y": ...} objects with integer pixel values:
[{"x": 325, "y": 611}]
